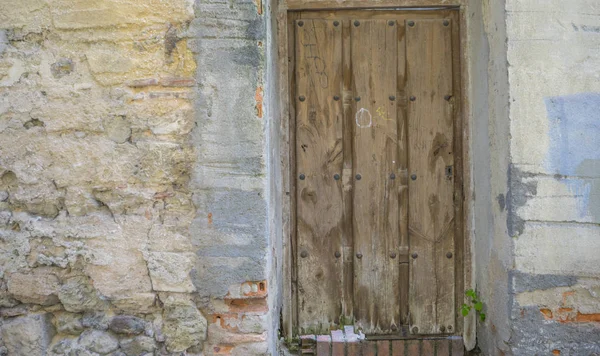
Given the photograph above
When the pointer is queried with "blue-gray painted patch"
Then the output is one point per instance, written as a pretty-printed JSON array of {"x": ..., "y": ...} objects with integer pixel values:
[
  {"x": 574, "y": 131},
  {"x": 573, "y": 152}
]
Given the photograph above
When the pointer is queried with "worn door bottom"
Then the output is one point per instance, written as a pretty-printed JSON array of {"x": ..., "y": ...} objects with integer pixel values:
[{"x": 347, "y": 343}]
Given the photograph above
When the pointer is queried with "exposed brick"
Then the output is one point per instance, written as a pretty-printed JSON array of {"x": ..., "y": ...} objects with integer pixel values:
[
  {"x": 383, "y": 347},
  {"x": 354, "y": 348},
  {"x": 256, "y": 289},
  {"x": 308, "y": 340},
  {"x": 323, "y": 345},
  {"x": 587, "y": 318},
  {"x": 458, "y": 348},
  {"x": 308, "y": 344},
  {"x": 443, "y": 347},
  {"x": 547, "y": 313},
  {"x": 413, "y": 348},
  {"x": 369, "y": 348},
  {"x": 398, "y": 347},
  {"x": 427, "y": 347},
  {"x": 222, "y": 349},
  {"x": 258, "y": 97},
  {"x": 247, "y": 305}
]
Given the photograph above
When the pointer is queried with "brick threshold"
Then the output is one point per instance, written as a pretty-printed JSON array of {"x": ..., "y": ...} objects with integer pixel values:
[{"x": 347, "y": 343}]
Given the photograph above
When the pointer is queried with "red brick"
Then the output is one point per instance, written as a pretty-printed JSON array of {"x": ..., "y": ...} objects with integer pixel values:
[
  {"x": 547, "y": 313},
  {"x": 354, "y": 348},
  {"x": 323, "y": 345},
  {"x": 307, "y": 344},
  {"x": 254, "y": 289},
  {"x": 458, "y": 348},
  {"x": 222, "y": 349},
  {"x": 369, "y": 348},
  {"x": 413, "y": 348},
  {"x": 443, "y": 347},
  {"x": 398, "y": 347},
  {"x": 258, "y": 96},
  {"x": 427, "y": 347},
  {"x": 240, "y": 305},
  {"x": 308, "y": 339},
  {"x": 383, "y": 348}
]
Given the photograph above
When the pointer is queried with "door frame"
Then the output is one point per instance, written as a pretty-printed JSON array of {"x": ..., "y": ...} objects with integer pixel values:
[{"x": 285, "y": 12}]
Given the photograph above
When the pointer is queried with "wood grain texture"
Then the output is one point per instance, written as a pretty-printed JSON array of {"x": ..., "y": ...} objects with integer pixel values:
[
  {"x": 319, "y": 157},
  {"x": 287, "y": 205},
  {"x": 347, "y": 177},
  {"x": 375, "y": 157},
  {"x": 402, "y": 174},
  {"x": 431, "y": 159}
]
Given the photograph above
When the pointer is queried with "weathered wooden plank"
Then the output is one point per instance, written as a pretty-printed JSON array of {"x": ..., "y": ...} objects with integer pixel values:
[
  {"x": 431, "y": 184},
  {"x": 460, "y": 143},
  {"x": 285, "y": 50},
  {"x": 347, "y": 178},
  {"x": 319, "y": 158},
  {"x": 402, "y": 174},
  {"x": 375, "y": 159}
]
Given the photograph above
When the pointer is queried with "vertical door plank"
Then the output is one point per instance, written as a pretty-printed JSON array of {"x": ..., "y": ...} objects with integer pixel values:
[
  {"x": 348, "y": 251},
  {"x": 375, "y": 157},
  {"x": 402, "y": 174},
  {"x": 319, "y": 158},
  {"x": 431, "y": 160}
]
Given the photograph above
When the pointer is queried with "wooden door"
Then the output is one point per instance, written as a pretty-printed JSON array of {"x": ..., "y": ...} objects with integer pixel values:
[{"x": 376, "y": 164}]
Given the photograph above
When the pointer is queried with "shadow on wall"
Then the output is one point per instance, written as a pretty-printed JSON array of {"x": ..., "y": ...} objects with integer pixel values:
[{"x": 574, "y": 153}]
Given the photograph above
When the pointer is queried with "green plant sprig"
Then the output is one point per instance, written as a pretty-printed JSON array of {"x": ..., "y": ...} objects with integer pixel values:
[{"x": 476, "y": 304}]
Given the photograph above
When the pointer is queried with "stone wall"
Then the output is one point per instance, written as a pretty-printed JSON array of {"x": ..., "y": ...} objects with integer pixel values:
[
  {"x": 140, "y": 183},
  {"x": 132, "y": 178},
  {"x": 554, "y": 56},
  {"x": 540, "y": 273}
]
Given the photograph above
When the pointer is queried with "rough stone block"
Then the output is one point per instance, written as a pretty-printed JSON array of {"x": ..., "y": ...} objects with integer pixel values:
[
  {"x": 170, "y": 272},
  {"x": 77, "y": 294},
  {"x": 184, "y": 326},
  {"x": 31, "y": 14},
  {"x": 127, "y": 324},
  {"x": 68, "y": 323},
  {"x": 28, "y": 335},
  {"x": 38, "y": 287},
  {"x": 82, "y": 14},
  {"x": 144, "y": 303},
  {"x": 98, "y": 341},
  {"x": 138, "y": 345}
]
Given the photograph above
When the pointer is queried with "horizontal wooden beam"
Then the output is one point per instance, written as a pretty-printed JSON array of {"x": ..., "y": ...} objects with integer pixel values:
[{"x": 366, "y": 4}]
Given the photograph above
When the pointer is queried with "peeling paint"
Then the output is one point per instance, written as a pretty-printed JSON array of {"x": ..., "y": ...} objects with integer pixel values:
[
  {"x": 525, "y": 282},
  {"x": 574, "y": 129},
  {"x": 519, "y": 192}
]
